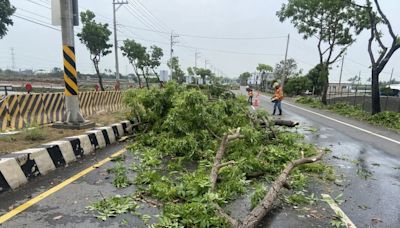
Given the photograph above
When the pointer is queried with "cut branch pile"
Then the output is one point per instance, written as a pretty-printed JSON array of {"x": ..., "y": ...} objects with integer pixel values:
[{"x": 261, "y": 210}]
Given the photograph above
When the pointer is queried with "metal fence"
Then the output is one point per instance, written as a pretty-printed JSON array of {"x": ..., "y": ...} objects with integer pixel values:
[{"x": 361, "y": 96}]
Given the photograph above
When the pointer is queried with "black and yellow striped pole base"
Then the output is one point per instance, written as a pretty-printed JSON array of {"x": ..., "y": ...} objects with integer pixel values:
[{"x": 70, "y": 74}]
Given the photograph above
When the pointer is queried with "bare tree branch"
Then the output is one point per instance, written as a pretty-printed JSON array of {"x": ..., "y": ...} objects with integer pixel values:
[
  {"x": 218, "y": 157},
  {"x": 255, "y": 216},
  {"x": 232, "y": 222},
  {"x": 387, "y": 22}
]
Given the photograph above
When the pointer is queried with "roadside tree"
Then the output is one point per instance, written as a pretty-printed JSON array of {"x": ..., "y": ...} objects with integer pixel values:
[
  {"x": 374, "y": 19},
  {"x": 6, "y": 11},
  {"x": 332, "y": 22},
  {"x": 244, "y": 77},
  {"x": 177, "y": 73},
  {"x": 287, "y": 70},
  {"x": 204, "y": 73},
  {"x": 135, "y": 53},
  {"x": 95, "y": 36},
  {"x": 155, "y": 60}
]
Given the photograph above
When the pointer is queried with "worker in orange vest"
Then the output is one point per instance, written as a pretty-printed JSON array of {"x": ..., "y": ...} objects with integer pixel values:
[{"x": 277, "y": 98}]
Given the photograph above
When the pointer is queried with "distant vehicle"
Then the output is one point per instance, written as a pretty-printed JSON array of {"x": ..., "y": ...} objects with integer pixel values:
[{"x": 307, "y": 92}]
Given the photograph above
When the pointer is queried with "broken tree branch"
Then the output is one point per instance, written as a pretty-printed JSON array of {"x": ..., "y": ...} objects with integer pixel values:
[
  {"x": 287, "y": 123},
  {"x": 255, "y": 216},
  {"x": 232, "y": 222},
  {"x": 226, "y": 164},
  {"x": 218, "y": 157}
]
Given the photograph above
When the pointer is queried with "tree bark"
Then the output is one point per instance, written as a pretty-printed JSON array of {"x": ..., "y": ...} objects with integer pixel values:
[
  {"x": 218, "y": 157},
  {"x": 158, "y": 77},
  {"x": 259, "y": 212},
  {"x": 376, "y": 100},
  {"x": 96, "y": 66},
  {"x": 287, "y": 123},
  {"x": 325, "y": 77}
]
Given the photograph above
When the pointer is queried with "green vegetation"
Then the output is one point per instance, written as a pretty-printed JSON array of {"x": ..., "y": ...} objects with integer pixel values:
[
  {"x": 258, "y": 194},
  {"x": 181, "y": 133},
  {"x": 33, "y": 134},
  {"x": 121, "y": 179},
  {"x": 113, "y": 206},
  {"x": 6, "y": 11},
  {"x": 297, "y": 85},
  {"x": 95, "y": 36},
  {"x": 384, "y": 119}
]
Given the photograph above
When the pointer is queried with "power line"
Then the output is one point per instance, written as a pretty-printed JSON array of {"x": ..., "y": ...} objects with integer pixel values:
[
  {"x": 35, "y": 22},
  {"x": 33, "y": 13},
  {"x": 39, "y": 4},
  {"x": 145, "y": 23},
  {"x": 148, "y": 12}
]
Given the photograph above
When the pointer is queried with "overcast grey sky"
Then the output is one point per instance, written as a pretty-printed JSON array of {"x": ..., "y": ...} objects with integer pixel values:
[{"x": 39, "y": 47}]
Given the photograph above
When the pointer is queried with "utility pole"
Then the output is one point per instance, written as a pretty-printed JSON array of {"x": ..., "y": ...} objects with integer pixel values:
[
  {"x": 391, "y": 76},
  {"x": 73, "y": 117},
  {"x": 205, "y": 63},
  {"x": 118, "y": 4},
  {"x": 196, "y": 56},
  {"x": 286, "y": 53},
  {"x": 173, "y": 42},
  {"x": 12, "y": 59},
  {"x": 341, "y": 73}
]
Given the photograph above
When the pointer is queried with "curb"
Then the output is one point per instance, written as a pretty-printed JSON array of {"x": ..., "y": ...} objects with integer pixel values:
[{"x": 18, "y": 168}]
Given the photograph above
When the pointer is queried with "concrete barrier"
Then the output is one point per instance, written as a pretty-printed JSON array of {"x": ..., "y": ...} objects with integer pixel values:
[
  {"x": 20, "y": 110},
  {"x": 19, "y": 167}
]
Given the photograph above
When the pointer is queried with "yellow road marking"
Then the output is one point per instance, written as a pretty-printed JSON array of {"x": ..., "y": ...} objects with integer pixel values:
[
  {"x": 56, "y": 188},
  {"x": 328, "y": 199}
]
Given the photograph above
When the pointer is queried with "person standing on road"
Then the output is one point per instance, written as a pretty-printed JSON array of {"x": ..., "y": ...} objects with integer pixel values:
[
  {"x": 250, "y": 93},
  {"x": 277, "y": 98}
]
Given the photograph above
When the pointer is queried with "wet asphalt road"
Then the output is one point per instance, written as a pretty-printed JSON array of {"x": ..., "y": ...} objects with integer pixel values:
[
  {"x": 67, "y": 207},
  {"x": 370, "y": 202},
  {"x": 367, "y": 166}
]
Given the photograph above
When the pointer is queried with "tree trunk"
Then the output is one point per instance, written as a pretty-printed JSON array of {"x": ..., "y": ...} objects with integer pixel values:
[
  {"x": 325, "y": 77},
  {"x": 145, "y": 79},
  {"x": 158, "y": 78},
  {"x": 96, "y": 66},
  {"x": 376, "y": 100},
  {"x": 204, "y": 79}
]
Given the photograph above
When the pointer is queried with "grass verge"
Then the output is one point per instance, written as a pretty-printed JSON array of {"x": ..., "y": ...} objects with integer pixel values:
[{"x": 390, "y": 120}]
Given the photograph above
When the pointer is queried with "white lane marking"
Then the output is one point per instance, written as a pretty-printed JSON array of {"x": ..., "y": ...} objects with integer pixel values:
[
  {"x": 253, "y": 107},
  {"x": 328, "y": 199},
  {"x": 341, "y": 122}
]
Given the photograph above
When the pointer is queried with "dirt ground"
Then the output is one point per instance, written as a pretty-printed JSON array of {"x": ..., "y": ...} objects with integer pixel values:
[{"x": 30, "y": 138}]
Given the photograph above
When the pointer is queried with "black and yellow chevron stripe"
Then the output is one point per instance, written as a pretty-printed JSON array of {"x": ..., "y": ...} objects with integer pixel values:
[
  {"x": 53, "y": 106},
  {"x": 16, "y": 120},
  {"x": 18, "y": 111},
  {"x": 32, "y": 109},
  {"x": 4, "y": 115},
  {"x": 70, "y": 74}
]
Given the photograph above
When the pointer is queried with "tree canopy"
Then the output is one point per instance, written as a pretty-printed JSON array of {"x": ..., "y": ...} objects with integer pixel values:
[
  {"x": 95, "y": 36},
  {"x": 333, "y": 23},
  {"x": 6, "y": 11},
  {"x": 204, "y": 73},
  {"x": 244, "y": 77},
  {"x": 375, "y": 20},
  {"x": 136, "y": 54},
  {"x": 177, "y": 73},
  {"x": 264, "y": 68},
  {"x": 288, "y": 69}
]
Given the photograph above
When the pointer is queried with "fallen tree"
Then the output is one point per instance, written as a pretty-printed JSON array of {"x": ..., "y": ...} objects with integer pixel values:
[{"x": 192, "y": 163}]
